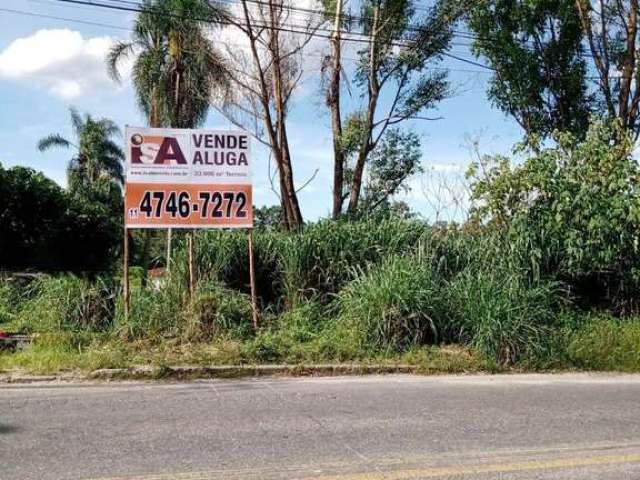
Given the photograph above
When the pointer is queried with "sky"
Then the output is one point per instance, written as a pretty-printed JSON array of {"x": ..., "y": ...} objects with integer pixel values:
[{"x": 48, "y": 65}]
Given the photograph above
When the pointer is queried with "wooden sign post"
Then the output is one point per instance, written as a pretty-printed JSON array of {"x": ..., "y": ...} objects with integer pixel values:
[
  {"x": 125, "y": 273},
  {"x": 252, "y": 283},
  {"x": 192, "y": 273}
]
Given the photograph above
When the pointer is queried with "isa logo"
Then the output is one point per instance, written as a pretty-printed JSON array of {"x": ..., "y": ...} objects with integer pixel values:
[{"x": 155, "y": 150}]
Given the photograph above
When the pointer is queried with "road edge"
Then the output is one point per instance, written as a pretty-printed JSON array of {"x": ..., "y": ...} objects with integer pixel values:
[{"x": 181, "y": 373}]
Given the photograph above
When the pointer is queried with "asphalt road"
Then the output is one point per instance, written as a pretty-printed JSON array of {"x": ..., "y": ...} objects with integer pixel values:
[{"x": 380, "y": 428}]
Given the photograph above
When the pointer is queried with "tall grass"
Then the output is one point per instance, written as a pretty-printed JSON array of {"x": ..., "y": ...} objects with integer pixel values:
[
  {"x": 503, "y": 315},
  {"x": 68, "y": 303},
  {"x": 328, "y": 254},
  {"x": 294, "y": 336},
  {"x": 314, "y": 263},
  {"x": 10, "y": 299},
  {"x": 338, "y": 291},
  {"x": 455, "y": 250},
  {"x": 153, "y": 313},
  {"x": 605, "y": 343},
  {"x": 215, "y": 310},
  {"x": 394, "y": 305}
]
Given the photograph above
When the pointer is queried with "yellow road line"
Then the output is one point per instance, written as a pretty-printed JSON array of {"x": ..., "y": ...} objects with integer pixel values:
[
  {"x": 482, "y": 469},
  {"x": 414, "y": 473}
]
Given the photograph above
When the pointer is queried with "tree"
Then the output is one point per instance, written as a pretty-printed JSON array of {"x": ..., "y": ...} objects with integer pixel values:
[
  {"x": 149, "y": 68},
  {"x": 97, "y": 163},
  {"x": 333, "y": 65},
  {"x": 46, "y": 228},
  {"x": 176, "y": 70},
  {"x": 395, "y": 160},
  {"x": 402, "y": 47},
  {"x": 611, "y": 30},
  {"x": 538, "y": 51},
  {"x": 267, "y": 217},
  {"x": 196, "y": 69},
  {"x": 572, "y": 209},
  {"x": 264, "y": 77},
  {"x": 540, "y": 74}
]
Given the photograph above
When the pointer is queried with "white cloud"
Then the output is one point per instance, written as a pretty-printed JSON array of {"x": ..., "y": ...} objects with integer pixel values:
[{"x": 59, "y": 60}]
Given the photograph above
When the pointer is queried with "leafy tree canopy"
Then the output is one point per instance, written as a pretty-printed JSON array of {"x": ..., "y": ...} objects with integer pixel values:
[
  {"x": 176, "y": 67},
  {"x": 97, "y": 163},
  {"x": 575, "y": 208},
  {"x": 267, "y": 217},
  {"x": 396, "y": 158},
  {"x": 535, "y": 48},
  {"x": 46, "y": 228}
]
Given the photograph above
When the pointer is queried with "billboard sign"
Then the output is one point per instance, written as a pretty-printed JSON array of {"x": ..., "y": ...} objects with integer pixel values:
[{"x": 188, "y": 178}]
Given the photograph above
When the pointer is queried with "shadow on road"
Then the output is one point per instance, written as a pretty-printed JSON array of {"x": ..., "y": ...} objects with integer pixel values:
[{"x": 7, "y": 429}]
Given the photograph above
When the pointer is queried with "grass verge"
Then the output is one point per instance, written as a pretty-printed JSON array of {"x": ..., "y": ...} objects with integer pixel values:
[{"x": 54, "y": 353}]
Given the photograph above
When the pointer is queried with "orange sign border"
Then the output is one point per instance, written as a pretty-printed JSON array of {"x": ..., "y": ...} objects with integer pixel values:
[{"x": 135, "y": 191}]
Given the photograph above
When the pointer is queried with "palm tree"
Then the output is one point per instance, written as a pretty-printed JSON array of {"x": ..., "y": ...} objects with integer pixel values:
[
  {"x": 176, "y": 67},
  {"x": 97, "y": 162}
]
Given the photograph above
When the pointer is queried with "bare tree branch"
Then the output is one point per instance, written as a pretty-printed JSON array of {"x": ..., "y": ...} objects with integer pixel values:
[{"x": 308, "y": 181}]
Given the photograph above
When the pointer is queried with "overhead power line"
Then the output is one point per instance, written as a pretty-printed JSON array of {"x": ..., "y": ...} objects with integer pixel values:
[
  {"x": 330, "y": 15},
  {"x": 136, "y": 6},
  {"x": 351, "y": 18},
  {"x": 132, "y": 6},
  {"x": 64, "y": 19},
  {"x": 349, "y": 36},
  {"x": 117, "y": 27},
  {"x": 281, "y": 28}
]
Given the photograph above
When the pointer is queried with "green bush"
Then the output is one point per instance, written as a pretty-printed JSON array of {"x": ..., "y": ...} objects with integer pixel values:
[
  {"x": 167, "y": 311},
  {"x": 68, "y": 303},
  {"x": 153, "y": 312},
  {"x": 292, "y": 337},
  {"x": 215, "y": 310},
  {"x": 502, "y": 315},
  {"x": 575, "y": 207},
  {"x": 305, "y": 322},
  {"x": 47, "y": 228},
  {"x": 10, "y": 298},
  {"x": 606, "y": 343},
  {"x": 394, "y": 305}
]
